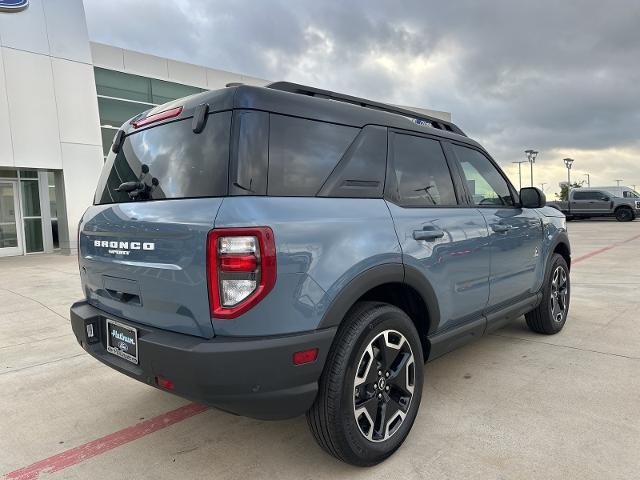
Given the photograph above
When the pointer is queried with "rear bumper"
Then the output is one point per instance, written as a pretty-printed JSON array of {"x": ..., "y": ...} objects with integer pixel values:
[{"x": 253, "y": 377}]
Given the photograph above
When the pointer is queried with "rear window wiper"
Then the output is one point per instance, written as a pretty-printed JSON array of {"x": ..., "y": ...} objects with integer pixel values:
[{"x": 130, "y": 186}]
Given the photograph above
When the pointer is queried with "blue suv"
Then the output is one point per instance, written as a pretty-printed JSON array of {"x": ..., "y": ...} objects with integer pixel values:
[{"x": 287, "y": 250}]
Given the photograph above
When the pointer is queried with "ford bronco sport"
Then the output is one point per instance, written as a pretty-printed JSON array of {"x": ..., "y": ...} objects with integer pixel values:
[{"x": 287, "y": 250}]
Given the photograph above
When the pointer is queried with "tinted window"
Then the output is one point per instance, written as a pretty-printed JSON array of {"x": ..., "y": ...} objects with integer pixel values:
[
  {"x": 171, "y": 162},
  {"x": 629, "y": 194},
  {"x": 486, "y": 185},
  {"x": 302, "y": 154},
  {"x": 422, "y": 176},
  {"x": 577, "y": 195},
  {"x": 360, "y": 173},
  {"x": 250, "y": 153}
]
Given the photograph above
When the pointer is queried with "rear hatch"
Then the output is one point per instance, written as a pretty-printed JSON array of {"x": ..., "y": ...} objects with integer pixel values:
[{"x": 143, "y": 243}]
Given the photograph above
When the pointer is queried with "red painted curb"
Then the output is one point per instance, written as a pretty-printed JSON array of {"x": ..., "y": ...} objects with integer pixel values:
[{"x": 96, "y": 447}]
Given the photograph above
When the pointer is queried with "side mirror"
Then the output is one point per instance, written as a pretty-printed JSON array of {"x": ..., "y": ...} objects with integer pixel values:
[
  {"x": 532, "y": 197},
  {"x": 605, "y": 199}
]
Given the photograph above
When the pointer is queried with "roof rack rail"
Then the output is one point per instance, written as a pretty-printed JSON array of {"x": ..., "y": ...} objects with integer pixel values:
[{"x": 417, "y": 117}]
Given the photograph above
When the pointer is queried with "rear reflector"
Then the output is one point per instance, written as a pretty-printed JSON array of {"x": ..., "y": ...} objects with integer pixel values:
[
  {"x": 165, "y": 383},
  {"x": 238, "y": 263},
  {"x": 157, "y": 117},
  {"x": 306, "y": 356}
]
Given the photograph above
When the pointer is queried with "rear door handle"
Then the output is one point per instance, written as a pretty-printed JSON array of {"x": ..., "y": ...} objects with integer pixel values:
[
  {"x": 428, "y": 234},
  {"x": 500, "y": 228}
]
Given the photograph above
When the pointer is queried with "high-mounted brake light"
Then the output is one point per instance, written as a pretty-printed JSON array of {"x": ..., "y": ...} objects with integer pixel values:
[
  {"x": 241, "y": 269},
  {"x": 157, "y": 117}
]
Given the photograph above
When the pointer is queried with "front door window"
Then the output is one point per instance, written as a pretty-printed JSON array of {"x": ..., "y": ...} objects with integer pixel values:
[{"x": 9, "y": 234}]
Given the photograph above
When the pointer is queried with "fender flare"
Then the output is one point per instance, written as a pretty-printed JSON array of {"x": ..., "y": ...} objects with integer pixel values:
[
  {"x": 374, "y": 277},
  {"x": 561, "y": 238}
]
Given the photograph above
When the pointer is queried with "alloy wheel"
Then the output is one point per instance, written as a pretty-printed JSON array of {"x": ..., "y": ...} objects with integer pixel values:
[
  {"x": 559, "y": 294},
  {"x": 383, "y": 386}
]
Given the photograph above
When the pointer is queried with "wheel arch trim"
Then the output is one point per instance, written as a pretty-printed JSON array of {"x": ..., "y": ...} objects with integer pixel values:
[{"x": 375, "y": 277}]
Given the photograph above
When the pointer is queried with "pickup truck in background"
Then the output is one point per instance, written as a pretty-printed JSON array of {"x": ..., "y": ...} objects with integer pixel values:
[{"x": 597, "y": 202}]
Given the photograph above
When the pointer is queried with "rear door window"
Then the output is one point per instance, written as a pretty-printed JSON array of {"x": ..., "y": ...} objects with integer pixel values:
[
  {"x": 170, "y": 162},
  {"x": 303, "y": 153},
  {"x": 422, "y": 176}
]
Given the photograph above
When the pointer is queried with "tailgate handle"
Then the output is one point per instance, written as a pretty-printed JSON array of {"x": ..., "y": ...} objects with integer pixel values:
[
  {"x": 122, "y": 289},
  {"x": 124, "y": 296}
]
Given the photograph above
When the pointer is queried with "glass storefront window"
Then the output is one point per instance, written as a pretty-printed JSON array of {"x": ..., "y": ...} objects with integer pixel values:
[
  {"x": 53, "y": 209},
  {"x": 30, "y": 198},
  {"x": 53, "y": 206},
  {"x": 54, "y": 233},
  {"x": 115, "y": 112},
  {"x": 33, "y": 234},
  {"x": 31, "y": 211},
  {"x": 122, "y": 85},
  {"x": 5, "y": 173},
  {"x": 163, "y": 92},
  {"x": 107, "y": 139},
  {"x": 8, "y": 231}
]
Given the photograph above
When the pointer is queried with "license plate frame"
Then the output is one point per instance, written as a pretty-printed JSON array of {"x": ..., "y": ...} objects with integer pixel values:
[{"x": 119, "y": 345}]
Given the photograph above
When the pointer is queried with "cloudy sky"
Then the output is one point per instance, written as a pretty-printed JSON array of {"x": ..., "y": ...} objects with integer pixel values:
[{"x": 562, "y": 77}]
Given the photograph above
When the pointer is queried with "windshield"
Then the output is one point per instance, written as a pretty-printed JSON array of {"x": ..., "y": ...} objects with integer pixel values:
[{"x": 169, "y": 162}]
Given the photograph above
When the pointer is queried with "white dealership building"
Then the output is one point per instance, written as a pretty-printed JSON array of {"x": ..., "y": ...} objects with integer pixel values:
[{"x": 62, "y": 98}]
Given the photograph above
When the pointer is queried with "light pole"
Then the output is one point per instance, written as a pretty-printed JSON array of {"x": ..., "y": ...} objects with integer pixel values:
[
  {"x": 567, "y": 163},
  {"x": 542, "y": 185},
  {"x": 588, "y": 180},
  {"x": 520, "y": 173},
  {"x": 618, "y": 181},
  {"x": 531, "y": 157}
]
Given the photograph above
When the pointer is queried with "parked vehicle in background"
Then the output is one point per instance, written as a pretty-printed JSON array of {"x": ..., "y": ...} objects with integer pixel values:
[
  {"x": 287, "y": 250},
  {"x": 621, "y": 191},
  {"x": 599, "y": 202}
]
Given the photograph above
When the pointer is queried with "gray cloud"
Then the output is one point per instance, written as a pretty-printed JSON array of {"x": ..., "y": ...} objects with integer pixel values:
[{"x": 558, "y": 76}]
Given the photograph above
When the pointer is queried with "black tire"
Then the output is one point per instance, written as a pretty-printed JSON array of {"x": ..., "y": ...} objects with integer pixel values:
[
  {"x": 332, "y": 418},
  {"x": 551, "y": 315},
  {"x": 624, "y": 214}
]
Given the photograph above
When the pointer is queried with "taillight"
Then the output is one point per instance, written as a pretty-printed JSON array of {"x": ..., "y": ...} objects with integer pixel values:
[{"x": 241, "y": 268}]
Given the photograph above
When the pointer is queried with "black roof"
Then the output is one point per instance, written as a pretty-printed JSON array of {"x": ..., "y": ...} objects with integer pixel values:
[
  {"x": 312, "y": 103},
  {"x": 418, "y": 117}
]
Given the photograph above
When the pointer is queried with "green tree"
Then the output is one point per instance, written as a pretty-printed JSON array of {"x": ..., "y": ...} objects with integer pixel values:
[{"x": 564, "y": 190}]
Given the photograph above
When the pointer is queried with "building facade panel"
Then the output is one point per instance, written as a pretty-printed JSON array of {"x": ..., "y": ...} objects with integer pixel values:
[
  {"x": 6, "y": 148},
  {"x": 75, "y": 94},
  {"x": 82, "y": 165},
  {"x": 187, "y": 73},
  {"x": 146, "y": 65},
  {"x": 65, "y": 42},
  {"x": 107, "y": 56},
  {"x": 32, "y": 109},
  {"x": 26, "y": 30}
]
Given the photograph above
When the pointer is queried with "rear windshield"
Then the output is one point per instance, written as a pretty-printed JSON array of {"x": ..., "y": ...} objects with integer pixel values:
[{"x": 169, "y": 162}]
